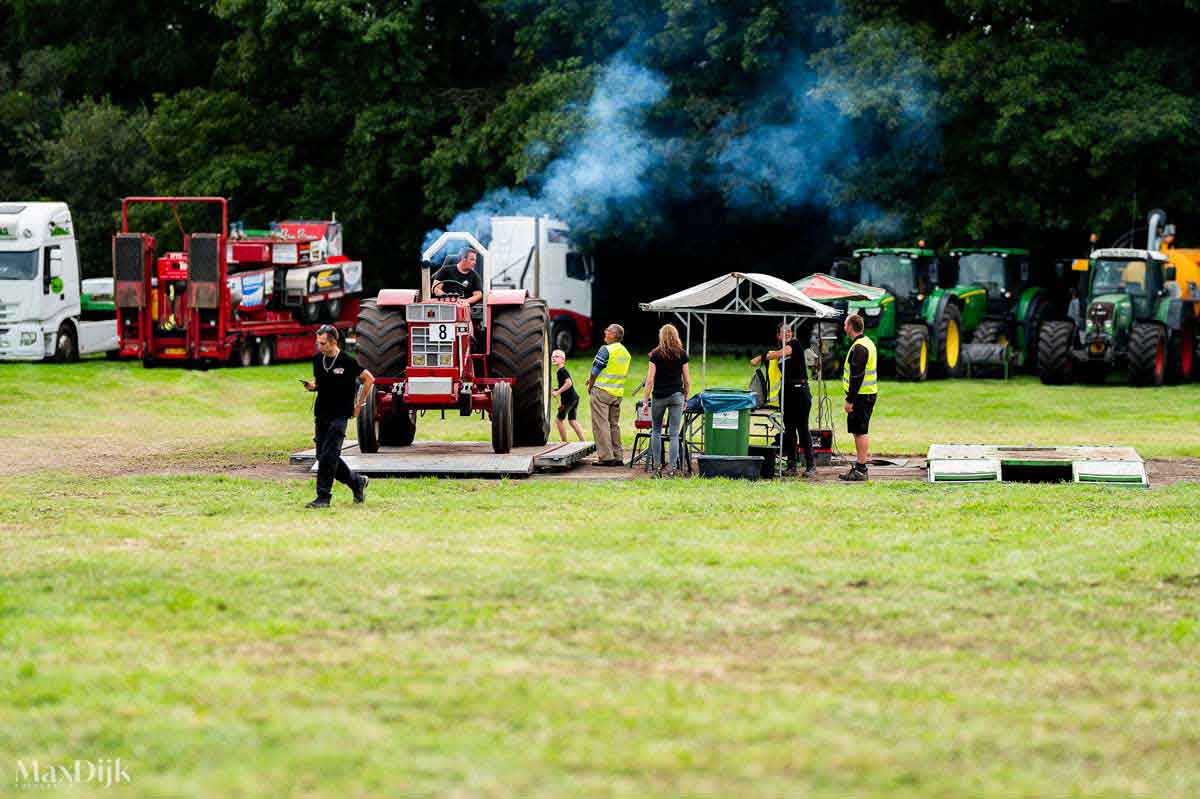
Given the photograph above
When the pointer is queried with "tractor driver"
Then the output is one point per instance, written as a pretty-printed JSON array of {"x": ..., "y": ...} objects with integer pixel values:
[{"x": 464, "y": 273}]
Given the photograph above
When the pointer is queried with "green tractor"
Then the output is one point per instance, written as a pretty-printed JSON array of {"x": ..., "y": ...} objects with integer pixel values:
[
  {"x": 918, "y": 325},
  {"x": 1133, "y": 319},
  {"x": 1000, "y": 301}
]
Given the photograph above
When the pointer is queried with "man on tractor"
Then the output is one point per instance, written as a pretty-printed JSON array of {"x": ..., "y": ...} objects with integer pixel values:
[{"x": 452, "y": 279}]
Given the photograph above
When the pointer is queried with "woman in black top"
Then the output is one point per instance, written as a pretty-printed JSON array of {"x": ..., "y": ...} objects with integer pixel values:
[
  {"x": 667, "y": 385},
  {"x": 797, "y": 400}
]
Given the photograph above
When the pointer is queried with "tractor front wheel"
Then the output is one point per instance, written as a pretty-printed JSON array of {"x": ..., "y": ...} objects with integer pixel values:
[
  {"x": 912, "y": 353},
  {"x": 399, "y": 429},
  {"x": 368, "y": 430},
  {"x": 521, "y": 350},
  {"x": 1147, "y": 355},
  {"x": 502, "y": 418},
  {"x": 1055, "y": 366},
  {"x": 950, "y": 361}
]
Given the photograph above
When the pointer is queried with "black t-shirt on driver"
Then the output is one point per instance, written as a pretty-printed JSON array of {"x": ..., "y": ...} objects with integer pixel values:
[
  {"x": 337, "y": 385},
  {"x": 451, "y": 272}
]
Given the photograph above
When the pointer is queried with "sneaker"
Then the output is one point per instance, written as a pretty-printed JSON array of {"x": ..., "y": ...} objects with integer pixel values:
[
  {"x": 809, "y": 473},
  {"x": 855, "y": 475},
  {"x": 318, "y": 503},
  {"x": 360, "y": 493},
  {"x": 791, "y": 470}
]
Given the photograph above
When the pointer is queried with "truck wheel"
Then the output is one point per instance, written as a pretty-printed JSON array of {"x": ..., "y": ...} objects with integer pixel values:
[
  {"x": 502, "y": 418},
  {"x": 332, "y": 309},
  {"x": 382, "y": 340},
  {"x": 368, "y": 429},
  {"x": 950, "y": 362},
  {"x": 1055, "y": 366},
  {"x": 1182, "y": 355},
  {"x": 826, "y": 334},
  {"x": 66, "y": 350},
  {"x": 310, "y": 313},
  {"x": 266, "y": 352},
  {"x": 1147, "y": 355},
  {"x": 564, "y": 337},
  {"x": 245, "y": 355},
  {"x": 912, "y": 353},
  {"x": 521, "y": 350}
]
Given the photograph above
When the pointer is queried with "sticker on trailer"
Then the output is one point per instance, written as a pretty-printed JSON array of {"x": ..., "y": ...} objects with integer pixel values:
[{"x": 726, "y": 420}]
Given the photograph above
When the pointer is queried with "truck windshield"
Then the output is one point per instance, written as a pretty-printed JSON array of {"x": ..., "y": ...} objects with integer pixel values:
[
  {"x": 890, "y": 272},
  {"x": 986, "y": 270},
  {"x": 18, "y": 265},
  {"x": 1126, "y": 277}
]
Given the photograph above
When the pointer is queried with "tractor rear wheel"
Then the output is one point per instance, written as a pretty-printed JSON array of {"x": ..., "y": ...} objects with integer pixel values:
[
  {"x": 502, "y": 418},
  {"x": 382, "y": 340},
  {"x": 1055, "y": 366},
  {"x": 1182, "y": 354},
  {"x": 521, "y": 350},
  {"x": 912, "y": 353},
  {"x": 950, "y": 362},
  {"x": 824, "y": 342},
  {"x": 1147, "y": 354}
]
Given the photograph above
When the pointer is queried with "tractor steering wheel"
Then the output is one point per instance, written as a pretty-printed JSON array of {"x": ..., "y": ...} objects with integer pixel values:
[{"x": 452, "y": 288}]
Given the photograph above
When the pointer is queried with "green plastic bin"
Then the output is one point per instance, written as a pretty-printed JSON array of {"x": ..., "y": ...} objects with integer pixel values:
[{"x": 727, "y": 421}]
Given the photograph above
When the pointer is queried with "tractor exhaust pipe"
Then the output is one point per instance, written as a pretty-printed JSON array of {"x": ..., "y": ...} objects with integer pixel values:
[
  {"x": 1154, "y": 223},
  {"x": 426, "y": 281}
]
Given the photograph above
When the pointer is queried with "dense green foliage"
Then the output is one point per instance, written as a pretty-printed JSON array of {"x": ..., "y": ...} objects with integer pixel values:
[{"x": 1014, "y": 120}]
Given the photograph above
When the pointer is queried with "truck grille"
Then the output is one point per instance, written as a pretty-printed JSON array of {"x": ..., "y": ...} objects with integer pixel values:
[
  {"x": 8, "y": 312},
  {"x": 430, "y": 353}
]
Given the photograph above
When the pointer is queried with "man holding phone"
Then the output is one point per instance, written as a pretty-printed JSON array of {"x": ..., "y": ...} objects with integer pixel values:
[{"x": 336, "y": 376}]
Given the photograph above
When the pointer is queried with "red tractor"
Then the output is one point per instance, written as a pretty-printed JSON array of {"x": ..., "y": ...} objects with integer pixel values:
[{"x": 439, "y": 353}]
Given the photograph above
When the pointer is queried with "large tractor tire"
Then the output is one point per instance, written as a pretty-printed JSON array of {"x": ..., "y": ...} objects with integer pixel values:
[
  {"x": 950, "y": 360},
  {"x": 990, "y": 331},
  {"x": 1055, "y": 366},
  {"x": 1181, "y": 355},
  {"x": 1037, "y": 313},
  {"x": 502, "y": 418},
  {"x": 1147, "y": 354},
  {"x": 826, "y": 334},
  {"x": 382, "y": 340},
  {"x": 912, "y": 353},
  {"x": 521, "y": 350}
]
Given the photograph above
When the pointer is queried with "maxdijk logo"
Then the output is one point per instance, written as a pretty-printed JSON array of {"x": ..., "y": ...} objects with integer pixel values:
[{"x": 104, "y": 773}]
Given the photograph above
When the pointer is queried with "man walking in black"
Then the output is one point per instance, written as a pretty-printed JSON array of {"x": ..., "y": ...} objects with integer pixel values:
[{"x": 336, "y": 377}]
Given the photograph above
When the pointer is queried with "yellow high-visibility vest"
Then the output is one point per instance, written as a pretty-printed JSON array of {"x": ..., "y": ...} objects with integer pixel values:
[
  {"x": 612, "y": 377},
  {"x": 870, "y": 383},
  {"x": 774, "y": 380}
]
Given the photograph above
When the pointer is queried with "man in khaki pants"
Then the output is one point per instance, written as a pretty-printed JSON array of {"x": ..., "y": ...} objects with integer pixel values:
[{"x": 606, "y": 387}]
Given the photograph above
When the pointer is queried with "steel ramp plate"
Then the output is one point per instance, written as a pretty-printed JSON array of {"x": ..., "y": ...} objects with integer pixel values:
[
  {"x": 394, "y": 464},
  {"x": 1111, "y": 472},
  {"x": 964, "y": 470}
]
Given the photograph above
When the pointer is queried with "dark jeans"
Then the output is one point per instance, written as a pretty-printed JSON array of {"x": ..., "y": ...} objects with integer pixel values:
[
  {"x": 331, "y": 434},
  {"x": 797, "y": 405}
]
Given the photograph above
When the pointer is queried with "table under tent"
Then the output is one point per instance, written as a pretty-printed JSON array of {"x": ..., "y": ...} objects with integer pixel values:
[{"x": 750, "y": 295}]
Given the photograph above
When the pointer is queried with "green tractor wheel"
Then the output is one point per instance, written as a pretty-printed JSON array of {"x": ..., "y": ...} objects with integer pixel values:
[
  {"x": 950, "y": 362},
  {"x": 1147, "y": 354},
  {"x": 912, "y": 353},
  {"x": 1055, "y": 366}
]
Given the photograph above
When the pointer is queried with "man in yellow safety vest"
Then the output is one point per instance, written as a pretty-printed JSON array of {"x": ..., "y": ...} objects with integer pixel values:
[
  {"x": 860, "y": 380},
  {"x": 606, "y": 387}
]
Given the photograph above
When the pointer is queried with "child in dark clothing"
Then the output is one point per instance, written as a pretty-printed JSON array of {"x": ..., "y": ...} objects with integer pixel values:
[{"x": 568, "y": 397}]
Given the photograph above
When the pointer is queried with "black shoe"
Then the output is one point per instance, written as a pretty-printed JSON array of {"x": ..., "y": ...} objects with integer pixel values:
[
  {"x": 855, "y": 475},
  {"x": 790, "y": 471},
  {"x": 318, "y": 503},
  {"x": 360, "y": 493},
  {"x": 611, "y": 462},
  {"x": 809, "y": 472}
]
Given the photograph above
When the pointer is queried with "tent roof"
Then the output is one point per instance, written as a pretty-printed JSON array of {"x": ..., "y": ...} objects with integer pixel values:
[
  {"x": 737, "y": 293},
  {"x": 826, "y": 287}
]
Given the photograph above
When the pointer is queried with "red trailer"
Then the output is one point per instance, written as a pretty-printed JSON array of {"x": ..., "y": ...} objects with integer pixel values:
[{"x": 244, "y": 299}]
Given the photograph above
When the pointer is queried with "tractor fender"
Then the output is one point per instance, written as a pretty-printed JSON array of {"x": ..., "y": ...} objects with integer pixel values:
[
  {"x": 506, "y": 297},
  {"x": 1173, "y": 312},
  {"x": 935, "y": 308},
  {"x": 1026, "y": 302},
  {"x": 395, "y": 298}
]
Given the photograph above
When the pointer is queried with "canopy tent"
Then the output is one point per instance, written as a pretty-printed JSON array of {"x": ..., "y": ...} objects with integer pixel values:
[
  {"x": 826, "y": 287},
  {"x": 740, "y": 294}
]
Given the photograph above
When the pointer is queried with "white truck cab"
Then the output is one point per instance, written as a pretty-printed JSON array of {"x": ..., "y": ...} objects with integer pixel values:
[
  {"x": 40, "y": 311},
  {"x": 522, "y": 244}
]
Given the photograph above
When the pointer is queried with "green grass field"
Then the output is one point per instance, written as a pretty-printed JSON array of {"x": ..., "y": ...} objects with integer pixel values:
[{"x": 635, "y": 638}]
